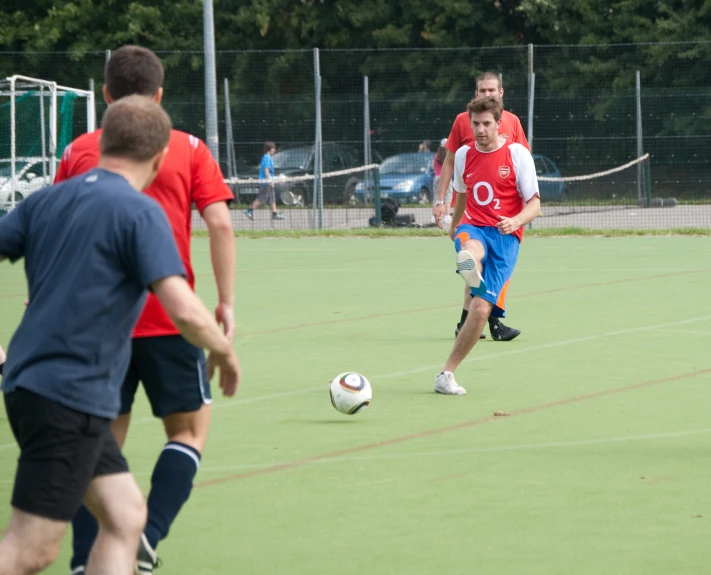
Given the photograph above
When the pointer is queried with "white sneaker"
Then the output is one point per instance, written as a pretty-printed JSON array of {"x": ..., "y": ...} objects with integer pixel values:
[
  {"x": 466, "y": 267},
  {"x": 445, "y": 384}
]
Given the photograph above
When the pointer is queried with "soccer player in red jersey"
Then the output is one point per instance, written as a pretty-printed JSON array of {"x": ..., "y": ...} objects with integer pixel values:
[
  {"x": 497, "y": 195},
  {"x": 172, "y": 371},
  {"x": 488, "y": 85}
]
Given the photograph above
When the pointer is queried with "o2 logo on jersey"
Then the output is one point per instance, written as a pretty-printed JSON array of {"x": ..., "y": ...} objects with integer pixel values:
[
  {"x": 479, "y": 197},
  {"x": 504, "y": 171}
]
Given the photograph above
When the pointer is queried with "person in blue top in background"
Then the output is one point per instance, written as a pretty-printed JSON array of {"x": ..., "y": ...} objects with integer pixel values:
[
  {"x": 93, "y": 245},
  {"x": 267, "y": 194}
]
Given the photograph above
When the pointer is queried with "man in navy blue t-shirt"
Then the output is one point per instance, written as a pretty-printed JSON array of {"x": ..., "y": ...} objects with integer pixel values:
[{"x": 92, "y": 247}]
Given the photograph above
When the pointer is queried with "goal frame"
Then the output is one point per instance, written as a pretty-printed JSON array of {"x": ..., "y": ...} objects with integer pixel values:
[{"x": 19, "y": 85}]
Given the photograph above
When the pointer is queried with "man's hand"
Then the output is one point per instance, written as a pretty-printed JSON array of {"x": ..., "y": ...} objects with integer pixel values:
[
  {"x": 438, "y": 212},
  {"x": 3, "y": 357},
  {"x": 229, "y": 371},
  {"x": 225, "y": 316},
  {"x": 507, "y": 225}
]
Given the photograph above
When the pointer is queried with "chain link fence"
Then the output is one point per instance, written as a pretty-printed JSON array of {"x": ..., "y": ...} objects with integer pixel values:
[{"x": 587, "y": 111}]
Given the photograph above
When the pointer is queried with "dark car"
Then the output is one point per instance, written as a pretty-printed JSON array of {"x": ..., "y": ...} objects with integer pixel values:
[
  {"x": 549, "y": 191},
  {"x": 299, "y": 161}
]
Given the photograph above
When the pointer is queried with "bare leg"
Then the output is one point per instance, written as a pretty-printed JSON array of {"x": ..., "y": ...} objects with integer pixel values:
[
  {"x": 255, "y": 204},
  {"x": 189, "y": 428},
  {"x": 274, "y": 208},
  {"x": 119, "y": 428},
  {"x": 116, "y": 501},
  {"x": 31, "y": 543},
  {"x": 479, "y": 311},
  {"x": 467, "y": 297},
  {"x": 474, "y": 324}
]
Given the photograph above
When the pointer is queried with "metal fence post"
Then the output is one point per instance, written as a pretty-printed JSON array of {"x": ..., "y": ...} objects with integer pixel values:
[
  {"x": 378, "y": 213},
  {"x": 318, "y": 149},
  {"x": 531, "y": 100},
  {"x": 640, "y": 142},
  {"x": 212, "y": 138},
  {"x": 367, "y": 154}
]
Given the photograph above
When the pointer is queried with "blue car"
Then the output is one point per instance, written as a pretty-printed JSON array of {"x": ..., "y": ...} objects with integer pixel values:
[
  {"x": 550, "y": 191},
  {"x": 406, "y": 178}
]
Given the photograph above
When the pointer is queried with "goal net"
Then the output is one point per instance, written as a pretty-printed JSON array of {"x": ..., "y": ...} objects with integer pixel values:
[{"x": 37, "y": 121}]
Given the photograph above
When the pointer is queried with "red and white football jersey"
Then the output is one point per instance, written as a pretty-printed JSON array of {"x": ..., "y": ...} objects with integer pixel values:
[
  {"x": 189, "y": 175},
  {"x": 497, "y": 183}
]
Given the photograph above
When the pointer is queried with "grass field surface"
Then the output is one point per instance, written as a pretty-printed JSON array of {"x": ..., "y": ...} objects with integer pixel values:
[{"x": 602, "y": 465}]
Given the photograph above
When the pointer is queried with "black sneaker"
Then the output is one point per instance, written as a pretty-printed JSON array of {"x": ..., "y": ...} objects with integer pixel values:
[
  {"x": 80, "y": 570},
  {"x": 500, "y": 332},
  {"x": 459, "y": 327},
  {"x": 249, "y": 214},
  {"x": 146, "y": 560},
  {"x": 277, "y": 216}
]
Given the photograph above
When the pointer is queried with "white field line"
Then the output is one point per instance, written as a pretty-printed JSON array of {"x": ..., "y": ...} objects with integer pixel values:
[
  {"x": 445, "y": 452},
  {"x": 687, "y": 331},
  {"x": 356, "y": 269},
  {"x": 432, "y": 367}
]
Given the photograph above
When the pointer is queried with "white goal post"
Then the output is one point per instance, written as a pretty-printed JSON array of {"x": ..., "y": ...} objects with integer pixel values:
[{"x": 23, "y": 163}]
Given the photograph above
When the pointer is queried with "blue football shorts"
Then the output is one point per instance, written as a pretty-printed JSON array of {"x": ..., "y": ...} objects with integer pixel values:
[{"x": 500, "y": 255}]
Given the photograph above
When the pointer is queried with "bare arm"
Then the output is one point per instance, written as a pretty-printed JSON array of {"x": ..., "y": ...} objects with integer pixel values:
[
  {"x": 222, "y": 252},
  {"x": 445, "y": 178},
  {"x": 529, "y": 213},
  {"x": 195, "y": 323}
]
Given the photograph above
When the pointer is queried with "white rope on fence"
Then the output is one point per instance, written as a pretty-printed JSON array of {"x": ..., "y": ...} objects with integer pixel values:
[
  {"x": 598, "y": 174},
  {"x": 280, "y": 179}
]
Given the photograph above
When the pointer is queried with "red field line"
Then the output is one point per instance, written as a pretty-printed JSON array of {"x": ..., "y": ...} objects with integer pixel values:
[
  {"x": 430, "y": 432},
  {"x": 449, "y": 306}
]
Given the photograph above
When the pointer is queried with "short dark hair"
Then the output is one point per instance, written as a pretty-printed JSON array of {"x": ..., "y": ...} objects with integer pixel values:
[
  {"x": 268, "y": 146},
  {"x": 133, "y": 70},
  {"x": 481, "y": 105},
  {"x": 488, "y": 76},
  {"x": 135, "y": 128}
]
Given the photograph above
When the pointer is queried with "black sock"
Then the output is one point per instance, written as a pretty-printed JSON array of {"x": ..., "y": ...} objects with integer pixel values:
[
  {"x": 1, "y": 366},
  {"x": 493, "y": 321},
  {"x": 85, "y": 529},
  {"x": 171, "y": 485},
  {"x": 465, "y": 313}
]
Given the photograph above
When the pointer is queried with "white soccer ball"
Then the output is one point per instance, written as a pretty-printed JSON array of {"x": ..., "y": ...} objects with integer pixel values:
[{"x": 350, "y": 391}]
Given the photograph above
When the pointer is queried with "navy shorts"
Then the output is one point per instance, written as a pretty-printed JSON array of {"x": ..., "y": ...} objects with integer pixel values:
[
  {"x": 500, "y": 255},
  {"x": 61, "y": 451},
  {"x": 173, "y": 373}
]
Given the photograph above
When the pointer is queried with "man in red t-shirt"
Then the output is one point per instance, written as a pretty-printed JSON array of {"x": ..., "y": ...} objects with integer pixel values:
[
  {"x": 497, "y": 195},
  {"x": 488, "y": 85},
  {"x": 172, "y": 371}
]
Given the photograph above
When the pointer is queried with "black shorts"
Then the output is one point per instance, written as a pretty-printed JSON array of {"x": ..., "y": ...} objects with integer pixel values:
[
  {"x": 173, "y": 373},
  {"x": 61, "y": 451}
]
